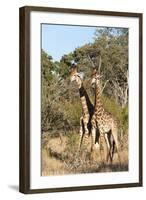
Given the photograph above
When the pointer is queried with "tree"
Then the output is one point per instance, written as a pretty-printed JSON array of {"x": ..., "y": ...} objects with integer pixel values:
[
  {"x": 112, "y": 44},
  {"x": 60, "y": 99}
]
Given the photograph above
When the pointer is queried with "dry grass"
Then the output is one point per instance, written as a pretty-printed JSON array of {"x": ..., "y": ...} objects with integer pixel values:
[
  {"x": 60, "y": 156},
  {"x": 50, "y": 165}
]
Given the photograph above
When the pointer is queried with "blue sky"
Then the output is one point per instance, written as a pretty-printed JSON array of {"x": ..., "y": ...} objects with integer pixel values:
[{"x": 58, "y": 40}]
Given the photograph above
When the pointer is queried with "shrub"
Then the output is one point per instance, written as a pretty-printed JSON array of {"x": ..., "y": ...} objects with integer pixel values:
[
  {"x": 121, "y": 114},
  {"x": 72, "y": 112},
  {"x": 72, "y": 140}
]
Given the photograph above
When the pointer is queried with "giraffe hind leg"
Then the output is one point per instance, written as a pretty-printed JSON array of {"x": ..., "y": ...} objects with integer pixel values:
[
  {"x": 97, "y": 134},
  {"x": 112, "y": 145},
  {"x": 115, "y": 138},
  {"x": 108, "y": 145},
  {"x": 94, "y": 144},
  {"x": 112, "y": 149}
]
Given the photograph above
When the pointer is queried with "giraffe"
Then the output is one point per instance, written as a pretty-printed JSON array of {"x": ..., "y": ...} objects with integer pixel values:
[
  {"x": 87, "y": 106},
  {"x": 106, "y": 123}
]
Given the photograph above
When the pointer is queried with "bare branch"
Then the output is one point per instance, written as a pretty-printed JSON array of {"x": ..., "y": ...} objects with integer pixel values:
[
  {"x": 124, "y": 73},
  {"x": 93, "y": 65},
  {"x": 99, "y": 67},
  {"x": 104, "y": 86},
  {"x": 121, "y": 92}
]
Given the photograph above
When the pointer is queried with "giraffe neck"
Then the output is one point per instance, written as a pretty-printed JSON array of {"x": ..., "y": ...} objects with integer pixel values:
[
  {"x": 87, "y": 106},
  {"x": 98, "y": 104}
]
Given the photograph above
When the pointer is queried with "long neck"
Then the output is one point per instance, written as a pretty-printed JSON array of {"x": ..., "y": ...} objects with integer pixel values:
[
  {"x": 87, "y": 106},
  {"x": 98, "y": 104}
]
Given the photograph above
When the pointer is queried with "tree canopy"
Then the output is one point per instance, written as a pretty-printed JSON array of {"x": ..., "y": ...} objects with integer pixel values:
[{"x": 109, "y": 54}]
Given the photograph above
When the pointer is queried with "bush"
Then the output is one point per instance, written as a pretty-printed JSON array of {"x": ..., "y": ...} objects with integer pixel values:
[
  {"x": 72, "y": 112},
  {"x": 72, "y": 140},
  {"x": 121, "y": 114}
]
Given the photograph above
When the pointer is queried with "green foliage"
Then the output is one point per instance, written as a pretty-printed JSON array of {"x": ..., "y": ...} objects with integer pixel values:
[
  {"x": 124, "y": 119},
  {"x": 64, "y": 65},
  {"x": 72, "y": 111},
  {"x": 61, "y": 107},
  {"x": 121, "y": 114},
  {"x": 47, "y": 66},
  {"x": 72, "y": 141}
]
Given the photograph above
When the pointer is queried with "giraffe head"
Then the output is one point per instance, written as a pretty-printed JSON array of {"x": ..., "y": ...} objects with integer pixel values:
[
  {"x": 95, "y": 77},
  {"x": 75, "y": 75}
]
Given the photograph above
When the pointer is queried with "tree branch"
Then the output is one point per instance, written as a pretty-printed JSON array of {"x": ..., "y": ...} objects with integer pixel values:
[
  {"x": 93, "y": 65},
  {"x": 104, "y": 86},
  {"x": 99, "y": 67}
]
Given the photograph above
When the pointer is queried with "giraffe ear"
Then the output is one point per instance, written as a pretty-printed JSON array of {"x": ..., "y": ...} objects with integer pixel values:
[{"x": 81, "y": 75}]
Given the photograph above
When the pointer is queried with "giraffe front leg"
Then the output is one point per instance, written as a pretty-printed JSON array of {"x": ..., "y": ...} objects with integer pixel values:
[
  {"x": 94, "y": 144},
  {"x": 102, "y": 147},
  {"x": 81, "y": 133},
  {"x": 93, "y": 136},
  {"x": 86, "y": 131}
]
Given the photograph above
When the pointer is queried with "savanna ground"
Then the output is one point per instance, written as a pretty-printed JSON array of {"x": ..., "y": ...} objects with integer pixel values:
[
  {"x": 61, "y": 107},
  {"x": 60, "y": 156}
]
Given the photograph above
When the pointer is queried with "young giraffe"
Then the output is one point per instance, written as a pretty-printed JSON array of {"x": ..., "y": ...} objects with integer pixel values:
[
  {"x": 105, "y": 121},
  {"x": 87, "y": 106}
]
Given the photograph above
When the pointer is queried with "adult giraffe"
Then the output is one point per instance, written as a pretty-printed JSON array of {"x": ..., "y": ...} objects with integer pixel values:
[
  {"x": 106, "y": 123},
  {"x": 87, "y": 107}
]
